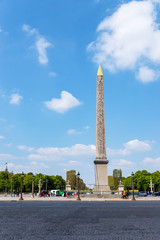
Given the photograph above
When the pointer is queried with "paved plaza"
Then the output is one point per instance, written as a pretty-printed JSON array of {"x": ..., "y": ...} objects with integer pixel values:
[
  {"x": 80, "y": 220},
  {"x": 27, "y": 197}
]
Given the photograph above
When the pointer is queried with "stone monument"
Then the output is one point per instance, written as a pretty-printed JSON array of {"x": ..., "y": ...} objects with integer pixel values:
[
  {"x": 120, "y": 187},
  {"x": 101, "y": 161},
  {"x": 68, "y": 186}
]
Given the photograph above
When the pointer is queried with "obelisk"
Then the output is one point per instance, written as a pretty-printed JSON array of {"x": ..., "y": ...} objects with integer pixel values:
[{"x": 101, "y": 161}]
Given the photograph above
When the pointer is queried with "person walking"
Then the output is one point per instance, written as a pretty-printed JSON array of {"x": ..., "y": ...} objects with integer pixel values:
[{"x": 124, "y": 194}]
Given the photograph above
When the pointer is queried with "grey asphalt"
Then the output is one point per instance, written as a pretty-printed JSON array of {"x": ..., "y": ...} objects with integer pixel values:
[{"x": 80, "y": 220}]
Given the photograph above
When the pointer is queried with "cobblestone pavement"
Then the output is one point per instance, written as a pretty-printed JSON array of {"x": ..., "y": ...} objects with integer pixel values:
[{"x": 80, "y": 220}]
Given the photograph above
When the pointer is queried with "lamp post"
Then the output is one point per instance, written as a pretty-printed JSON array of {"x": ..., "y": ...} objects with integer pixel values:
[
  {"x": 6, "y": 189},
  {"x": 33, "y": 186},
  {"x": 46, "y": 184},
  {"x": 78, "y": 198},
  {"x": 133, "y": 198},
  {"x": 21, "y": 197},
  {"x": 11, "y": 186},
  {"x": 40, "y": 180},
  {"x": 153, "y": 186}
]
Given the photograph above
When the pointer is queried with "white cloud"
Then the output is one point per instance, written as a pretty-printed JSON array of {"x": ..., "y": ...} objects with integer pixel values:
[
  {"x": 70, "y": 163},
  {"x": 41, "y": 44},
  {"x": 43, "y": 157},
  {"x": 152, "y": 162},
  {"x": 146, "y": 74},
  {"x": 137, "y": 146},
  {"x": 66, "y": 102},
  {"x": 8, "y": 144},
  {"x": 38, "y": 164},
  {"x": 128, "y": 38},
  {"x": 86, "y": 127},
  {"x": 74, "y": 163},
  {"x": 155, "y": 1},
  {"x": 124, "y": 163},
  {"x": 2, "y": 119},
  {"x": 31, "y": 167},
  {"x": 1, "y": 137},
  {"x": 52, "y": 74},
  {"x": 7, "y": 157},
  {"x": 59, "y": 154},
  {"x": 23, "y": 147},
  {"x": 73, "y": 131},
  {"x": 121, "y": 152},
  {"x": 75, "y": 150},
  {"x": 29, "y": 30},
  {"x": 131, "y": 147},
  {"x": 15, "y": 99}
]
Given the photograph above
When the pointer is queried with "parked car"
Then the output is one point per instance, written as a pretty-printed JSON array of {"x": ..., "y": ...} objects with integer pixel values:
[
  {"x": 156, "y": 193},
  {"x": 74, "y": 194},
  {"x": 69, "y": 193},
  {"x": 143, "y": 194}
]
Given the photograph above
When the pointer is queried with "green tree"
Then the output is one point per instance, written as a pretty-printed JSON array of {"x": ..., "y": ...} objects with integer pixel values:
[
  {"x": 71, "y": 177},
  {"x": 127, "y": 182},
  {"x": 117, "y": 176},
  {"x": 111, "y": 182},
  {"x": 4, "y": 180},
  {"x": 16, "y": 181},
  {"x": 27, "y": 182},
  {"x": 156, "y": 180}
]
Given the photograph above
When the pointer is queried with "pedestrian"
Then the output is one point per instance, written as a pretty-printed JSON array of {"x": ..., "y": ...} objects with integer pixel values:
[{"x": 124, "y": 194}]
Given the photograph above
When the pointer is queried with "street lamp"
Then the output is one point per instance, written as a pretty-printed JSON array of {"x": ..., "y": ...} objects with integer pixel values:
[
  {"x": 46, "y": 184},
  {"x": 6, "y": 189},
  {"x": 78, "y": 174},
  {"x": 153, "y": 186},
  {"x": 11, "y": 186},
  {"x": 22, "y": 175},
  {"x": 33, "y": 186},
  {"x": 40, "y": 180},
  {"x": 133, "y": 198}
]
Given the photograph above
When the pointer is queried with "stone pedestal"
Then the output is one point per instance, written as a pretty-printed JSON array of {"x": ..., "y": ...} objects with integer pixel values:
[
  {"x": 120, "y": 187},
  {"x": 101, "y": 176},
  {"x": 68, "y": 188}
]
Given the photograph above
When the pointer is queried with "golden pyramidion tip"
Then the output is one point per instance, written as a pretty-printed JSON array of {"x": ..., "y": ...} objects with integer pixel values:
[{"x": 99, "y": 71}]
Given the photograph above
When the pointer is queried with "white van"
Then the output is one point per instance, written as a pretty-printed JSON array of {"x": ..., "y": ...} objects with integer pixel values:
[{"x": 55, "y": 192}]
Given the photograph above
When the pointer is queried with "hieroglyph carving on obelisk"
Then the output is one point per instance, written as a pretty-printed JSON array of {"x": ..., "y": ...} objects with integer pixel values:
[
  {"x": 100, "y": 122},
  {"x": 101, "y": 175}
]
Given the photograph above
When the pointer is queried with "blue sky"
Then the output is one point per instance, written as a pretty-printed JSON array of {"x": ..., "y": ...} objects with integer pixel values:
[{"x": 49, "y": 56}]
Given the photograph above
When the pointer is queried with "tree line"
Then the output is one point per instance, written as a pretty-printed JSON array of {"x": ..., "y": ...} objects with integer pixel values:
[
  {"x": 9, "y": 181},
  {"x": 141, "y": 180}
]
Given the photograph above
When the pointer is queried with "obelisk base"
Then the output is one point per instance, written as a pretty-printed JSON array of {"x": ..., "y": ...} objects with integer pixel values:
[{"x": 101, "y": 176}]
